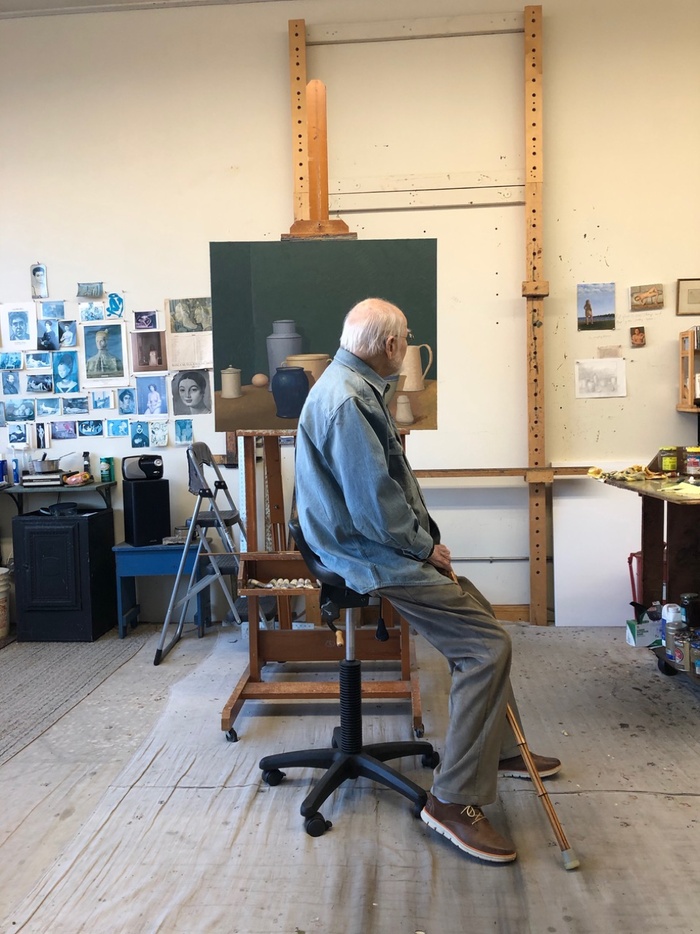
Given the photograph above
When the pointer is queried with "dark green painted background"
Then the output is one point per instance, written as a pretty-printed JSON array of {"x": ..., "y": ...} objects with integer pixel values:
[{"x": 315, "y": 283}]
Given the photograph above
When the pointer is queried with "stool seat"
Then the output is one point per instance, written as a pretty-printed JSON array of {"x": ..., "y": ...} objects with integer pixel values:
[{"x": 346, "y": 758}]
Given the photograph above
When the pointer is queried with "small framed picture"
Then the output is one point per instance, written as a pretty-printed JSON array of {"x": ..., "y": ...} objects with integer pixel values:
[
  {"x": 688, "y": 297},
  {"x": 148, "y": 351},
  {"x": 646, "y": 297},
  {"x": 638, "y": 337}
]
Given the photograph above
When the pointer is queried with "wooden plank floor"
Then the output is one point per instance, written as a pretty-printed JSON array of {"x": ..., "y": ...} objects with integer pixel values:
[{"x": 132, "y": 813}]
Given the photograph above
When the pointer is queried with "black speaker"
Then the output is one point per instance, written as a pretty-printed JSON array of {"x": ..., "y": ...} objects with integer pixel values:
[{"x": 146, "y": 511}]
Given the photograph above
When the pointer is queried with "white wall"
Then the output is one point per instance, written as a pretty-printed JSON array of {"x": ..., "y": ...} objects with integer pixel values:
[{"x": 132, "y": 140}]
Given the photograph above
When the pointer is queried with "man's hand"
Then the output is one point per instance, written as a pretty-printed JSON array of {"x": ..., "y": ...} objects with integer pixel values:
[{"x": 441, "y": 558}]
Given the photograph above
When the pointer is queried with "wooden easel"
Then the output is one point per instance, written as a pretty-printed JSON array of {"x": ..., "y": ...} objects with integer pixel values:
[{"x": 300, "y": 645}]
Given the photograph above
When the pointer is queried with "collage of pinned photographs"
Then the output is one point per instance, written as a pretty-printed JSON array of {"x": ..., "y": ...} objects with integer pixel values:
[{"x": 86, "y": 368}]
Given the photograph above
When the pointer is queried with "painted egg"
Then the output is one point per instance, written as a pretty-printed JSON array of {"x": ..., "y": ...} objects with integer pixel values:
[{"x": 260, "y": 380}]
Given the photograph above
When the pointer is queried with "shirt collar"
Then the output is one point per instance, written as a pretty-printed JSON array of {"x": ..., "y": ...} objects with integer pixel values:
[{"x": 366, "y": 372}]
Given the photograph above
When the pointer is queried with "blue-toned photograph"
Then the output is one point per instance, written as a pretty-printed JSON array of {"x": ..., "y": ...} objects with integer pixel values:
[
  {"x": 63, "y": 431},
  {"x": 37, "y": 361},
  {"x": 127, "y": 401},
  {"x": 91, "y": 428},
  {"x": 45, "y": 408},
  {"x": 65, "y": 371},
  {"x": 151, "y": 398},
  {"x": 22, "y": 410},
  {"x": 10, "y": 383},
  {"x": 102, "y": 399},
  {"x": 55, "y": 310},
  {"x": 47, "y": 335},
  {"x": 67, "y": 334},
  {"x": 117, "y": 428},
  {"x": 17, "y": 433},
  {"x": 75, "y": 405},
  {"x": 139, "y": 435},
  {"x": 104, "y": 353},
  {"x": 183, "y": 431},
  {"x": 39, "y": 382},
  {"x": 11, "y": 361}
]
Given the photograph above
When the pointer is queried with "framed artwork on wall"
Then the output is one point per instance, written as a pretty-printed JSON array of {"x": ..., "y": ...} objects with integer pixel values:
[{"x": 688, "y": 297}]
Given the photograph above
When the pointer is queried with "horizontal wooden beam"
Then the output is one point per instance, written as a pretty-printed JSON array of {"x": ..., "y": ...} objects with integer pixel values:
[
  {"x": 531, "y": 474},
  {"x": 478, "y": 24}
]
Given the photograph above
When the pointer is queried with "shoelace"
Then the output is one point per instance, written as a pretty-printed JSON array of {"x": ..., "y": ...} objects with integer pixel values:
[{"x": 474, "y": 814}]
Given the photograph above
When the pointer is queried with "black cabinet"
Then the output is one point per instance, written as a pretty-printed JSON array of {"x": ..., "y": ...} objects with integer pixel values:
[{"x": 65, "y": 587}]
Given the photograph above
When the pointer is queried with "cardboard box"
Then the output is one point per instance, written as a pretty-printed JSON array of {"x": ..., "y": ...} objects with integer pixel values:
[{"x": 647, "y": 633}]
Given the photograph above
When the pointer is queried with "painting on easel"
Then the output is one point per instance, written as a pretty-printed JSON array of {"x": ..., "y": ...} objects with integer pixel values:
[{"x": 283, "y": 304}]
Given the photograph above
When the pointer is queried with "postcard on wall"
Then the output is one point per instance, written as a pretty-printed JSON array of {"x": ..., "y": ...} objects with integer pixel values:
[
  {"x": 600, "y": 378},
  {"x": 145, "y": 320},
  {"x": 189, "y": 333},
  {"x": 91, "y": 311},
  {"x": 103, "y": 361},
  {"x": 18, "y": 325},
  {"x": 646, "y": 297},
  {"x": 595, "y": 306}
]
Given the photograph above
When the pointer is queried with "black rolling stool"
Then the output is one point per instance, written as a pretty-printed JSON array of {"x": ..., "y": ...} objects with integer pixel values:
[{"x": 347, "y": 757}]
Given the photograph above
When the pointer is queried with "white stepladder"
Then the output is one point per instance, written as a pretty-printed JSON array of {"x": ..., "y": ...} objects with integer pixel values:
[{"x": 207, "y": 515}]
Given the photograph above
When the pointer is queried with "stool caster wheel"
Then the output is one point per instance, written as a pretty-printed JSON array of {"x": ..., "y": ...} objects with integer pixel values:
[
  {"x": 317, "y": 825},
  {"x": 273, "y": 776},
  {"x": 419, "y": 732},
  {"x": 666, "y": 669},
  {"x": 232, "y": 736},
  {"x": 430, "y": 759},
  {"x": 417, "y": 808}
]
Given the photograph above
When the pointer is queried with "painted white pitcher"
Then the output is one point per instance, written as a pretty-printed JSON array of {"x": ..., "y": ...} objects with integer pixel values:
[{"x": 412, "y": 368}]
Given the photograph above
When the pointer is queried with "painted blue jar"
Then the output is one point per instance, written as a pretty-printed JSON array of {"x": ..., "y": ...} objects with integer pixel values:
[{"x": 290, "y": 387}]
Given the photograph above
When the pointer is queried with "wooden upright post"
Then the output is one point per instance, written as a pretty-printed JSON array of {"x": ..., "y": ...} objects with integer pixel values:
[{"x": 535, "y": 289}]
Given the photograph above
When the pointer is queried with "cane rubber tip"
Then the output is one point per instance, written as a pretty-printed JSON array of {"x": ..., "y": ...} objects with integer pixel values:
[{"x": 570, "y": 859}]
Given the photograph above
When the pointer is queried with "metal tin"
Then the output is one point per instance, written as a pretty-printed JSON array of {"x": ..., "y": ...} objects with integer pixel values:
[
  {"x": 106, "y": 469},
  {"x": 681, "y": 650},
  {"x": 692, "y": 462}
]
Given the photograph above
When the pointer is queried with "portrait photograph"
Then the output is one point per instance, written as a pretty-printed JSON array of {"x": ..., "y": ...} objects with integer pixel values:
[
  {"x": 18, "y": 326},
  {"x": 65, "y": 371},
  {"x": 47, "y": 334},
  {"x": 145, "y": 320},
  {"x": 189, "y": 314},
  {"x": 127, "y": 402},
  {"x": 140, "y": 437},
  {"x": 151, "y": 395},
  {"x": 41, "y": 435},
  {"x": 10, "y": 383},
  {"x": 67, "y": 333},
  {"x": 63, "y": 431},
  {"x": 18, "y": 433},
  {"x": 148, "y": 351},
  {"x": 117, "y": 428},
  {"x": 104, "y": 357},
  {"x": 39, "y": 283},
  {"x": 191, "y": 392}
]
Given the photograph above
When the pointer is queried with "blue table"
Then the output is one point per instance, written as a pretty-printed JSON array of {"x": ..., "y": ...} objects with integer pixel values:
[{"x": 152, "y": 561}]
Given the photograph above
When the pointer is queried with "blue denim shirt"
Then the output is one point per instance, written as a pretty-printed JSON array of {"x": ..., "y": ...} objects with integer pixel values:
[{"x": 359, "y": 503}]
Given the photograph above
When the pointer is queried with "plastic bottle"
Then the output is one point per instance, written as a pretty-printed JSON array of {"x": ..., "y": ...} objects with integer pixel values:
[{"x": 673, "y": 619}]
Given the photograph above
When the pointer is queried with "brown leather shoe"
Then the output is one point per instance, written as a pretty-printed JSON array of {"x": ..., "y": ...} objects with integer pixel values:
[
  {"x": 516, "y": 768},
  {"x": 468, "y": 829}
]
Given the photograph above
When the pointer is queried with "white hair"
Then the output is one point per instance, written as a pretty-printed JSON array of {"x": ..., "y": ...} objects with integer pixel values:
[{"x": 368, "y": 325}]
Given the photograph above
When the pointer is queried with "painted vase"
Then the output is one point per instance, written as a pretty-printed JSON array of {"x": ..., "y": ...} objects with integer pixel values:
[
  {"x": 283, "y": 342},
  {"x": 290, "y": 387}
]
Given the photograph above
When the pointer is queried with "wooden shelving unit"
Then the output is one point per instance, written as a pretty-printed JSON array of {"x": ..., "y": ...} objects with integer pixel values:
[{"x": 688, "y": 370}]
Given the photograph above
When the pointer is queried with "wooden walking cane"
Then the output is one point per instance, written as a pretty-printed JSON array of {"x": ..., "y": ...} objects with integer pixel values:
[{"x": 568, "y": 855}]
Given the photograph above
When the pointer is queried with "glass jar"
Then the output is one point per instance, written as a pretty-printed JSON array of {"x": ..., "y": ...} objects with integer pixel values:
[
  {"x": 668, "y": 460},
  {"x": 692, "y": 462}
]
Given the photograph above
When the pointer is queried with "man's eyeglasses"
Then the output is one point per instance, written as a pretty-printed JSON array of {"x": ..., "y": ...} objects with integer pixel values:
[{"x": 408, "y": 335}]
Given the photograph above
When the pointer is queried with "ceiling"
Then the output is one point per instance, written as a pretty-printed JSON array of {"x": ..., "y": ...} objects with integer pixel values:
[{"x": 11, "y": 9}]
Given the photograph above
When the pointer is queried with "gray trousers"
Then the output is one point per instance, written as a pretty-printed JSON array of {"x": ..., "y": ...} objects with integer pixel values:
[{"x": 459, "y": 622}]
